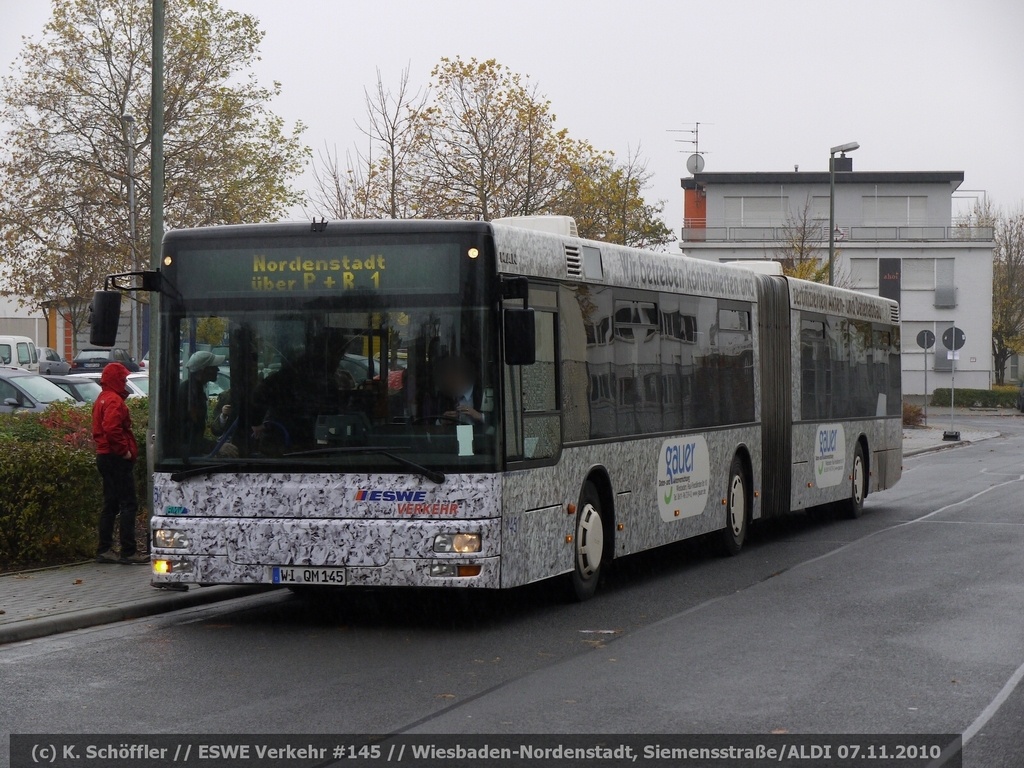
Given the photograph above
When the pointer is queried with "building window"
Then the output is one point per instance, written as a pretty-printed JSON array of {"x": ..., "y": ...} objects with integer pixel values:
[
  {"x": 919, "y": 274},
  {"x": 945, "y": 291},
  {"x": 820, "y": 210},
  {"x": 894, "y": 210},
  {"x": 864, "y": 273},
  {"x": 753, "y": 211}
]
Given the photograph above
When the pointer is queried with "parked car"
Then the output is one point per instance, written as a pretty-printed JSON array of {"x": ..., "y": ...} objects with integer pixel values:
[
  {"x": 140, "y": 383},
  {"x": 89, "y": 360},
  {"x": 51, "y": 363},
  {"x": 84, "y": 389},
  {"x": 1020, "y": 397},
  {"x": 22, "y": 390},
  {"x": 19, "y": 351},
  {"x": 136, "y": 386}
]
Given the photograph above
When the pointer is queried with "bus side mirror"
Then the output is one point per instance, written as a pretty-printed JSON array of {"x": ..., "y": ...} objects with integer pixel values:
[
  {"x": 520, "y": 337},
  {"x": 104, "y": 316}
]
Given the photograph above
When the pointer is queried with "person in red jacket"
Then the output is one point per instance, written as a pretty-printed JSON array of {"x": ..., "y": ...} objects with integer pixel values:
[{"x": 116, "y": 452}]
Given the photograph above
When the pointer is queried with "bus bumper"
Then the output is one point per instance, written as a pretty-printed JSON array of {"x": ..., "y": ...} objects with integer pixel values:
[{"x": 325, "y": 553}]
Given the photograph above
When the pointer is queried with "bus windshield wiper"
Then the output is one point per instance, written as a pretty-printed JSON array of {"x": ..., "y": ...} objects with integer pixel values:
[
  {"x": 206, "y": 469},
  {"x": 381, "y": 450}
]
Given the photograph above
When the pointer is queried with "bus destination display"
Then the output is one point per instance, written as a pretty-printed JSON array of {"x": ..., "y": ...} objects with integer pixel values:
[{"x": 419, "y": 268}]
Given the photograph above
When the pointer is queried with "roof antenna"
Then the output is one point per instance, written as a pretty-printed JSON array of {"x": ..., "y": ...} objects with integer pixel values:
[
  {"x": 318, "y": 226},
  {"x": 695, "y": 162}
]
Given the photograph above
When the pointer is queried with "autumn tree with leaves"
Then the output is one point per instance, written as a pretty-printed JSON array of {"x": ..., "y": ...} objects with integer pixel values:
[
  {"x": 1007, "y": 278},
  {"x": 481, "y": 143},
  {"x": 606, "y": 199},
  {"x": 1007, "y": 291},
  {"x": 487, "y": 145},
  {"x": 64, "y": 169}
]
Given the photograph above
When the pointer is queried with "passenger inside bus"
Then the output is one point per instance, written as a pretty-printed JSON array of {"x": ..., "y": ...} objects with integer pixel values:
[{"x": 193, "y": 405}]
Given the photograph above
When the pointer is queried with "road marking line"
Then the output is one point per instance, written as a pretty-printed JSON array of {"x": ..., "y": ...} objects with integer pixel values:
[
  {"x": 1018, "y": 479},
  {"x": 989, "y": 712}
]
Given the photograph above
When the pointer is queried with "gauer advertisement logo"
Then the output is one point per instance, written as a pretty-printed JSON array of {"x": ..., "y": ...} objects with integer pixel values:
[
  {"x": 829, "y": 455},
  {"x": 684, "y": 473}
]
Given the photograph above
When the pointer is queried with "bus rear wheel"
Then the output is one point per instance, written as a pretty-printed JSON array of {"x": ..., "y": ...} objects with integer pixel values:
[
  {"x": 853, "y": 507},
  {"x": 588, "y": 545},
  {"x": 737, "y": 509}
]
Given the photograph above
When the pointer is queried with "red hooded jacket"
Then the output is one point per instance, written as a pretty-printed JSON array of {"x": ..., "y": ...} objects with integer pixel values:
[{"x": 111, "y": 422}]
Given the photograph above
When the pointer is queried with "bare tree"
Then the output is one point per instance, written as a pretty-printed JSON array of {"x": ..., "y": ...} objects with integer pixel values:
[
  {"x": 1007, "y": 291},
  {"x": 339, "y": 191},
  {"x": 392, "y": 128},
  {"x": 375, "y": 183},
  {"x": 803, "y": 245}
]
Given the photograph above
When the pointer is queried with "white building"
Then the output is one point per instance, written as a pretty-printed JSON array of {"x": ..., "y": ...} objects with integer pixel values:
[
  {"x": 895, "y": 237},
  {"x": 18, "y": 320},
  {"x": 53, "y": 328}
]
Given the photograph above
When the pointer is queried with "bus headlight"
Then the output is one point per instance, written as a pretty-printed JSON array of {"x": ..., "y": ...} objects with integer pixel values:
[
  {"x": 164, "y": 567},
  {"x": 463, "y": 543},
  {"x": 170, "y": 538}
]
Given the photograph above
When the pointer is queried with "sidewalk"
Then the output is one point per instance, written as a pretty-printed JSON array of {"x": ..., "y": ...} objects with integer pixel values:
[
  {"x": 53, "y": 600},
  {"x": 917, "y": 440}
]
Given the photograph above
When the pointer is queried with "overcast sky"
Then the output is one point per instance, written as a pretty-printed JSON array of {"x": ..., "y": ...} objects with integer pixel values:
[{"x": 921, "y": 84}]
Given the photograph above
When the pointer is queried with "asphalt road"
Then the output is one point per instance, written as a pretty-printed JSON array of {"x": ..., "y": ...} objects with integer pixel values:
[{"x": 908, "y": 620}]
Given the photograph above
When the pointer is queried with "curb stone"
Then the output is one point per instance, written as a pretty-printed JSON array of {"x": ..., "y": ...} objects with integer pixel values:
[{"x": 161, "y": 602}]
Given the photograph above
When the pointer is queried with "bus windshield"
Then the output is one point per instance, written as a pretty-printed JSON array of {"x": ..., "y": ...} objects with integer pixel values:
[{"x": 371, "y": 381}]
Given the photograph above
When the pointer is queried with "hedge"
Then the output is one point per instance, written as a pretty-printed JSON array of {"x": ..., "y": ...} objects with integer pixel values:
[
  {"x": 997, "y": 397},
  {"x": 50, "y": 490}
]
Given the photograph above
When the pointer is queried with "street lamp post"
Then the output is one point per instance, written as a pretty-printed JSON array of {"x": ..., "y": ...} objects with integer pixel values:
[
  {"x": 129, "y": 131},
  {"x": 844, "y": 148}
]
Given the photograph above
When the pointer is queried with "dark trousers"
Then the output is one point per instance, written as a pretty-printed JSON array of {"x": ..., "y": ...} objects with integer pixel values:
[{"x": 118, "y": 499}]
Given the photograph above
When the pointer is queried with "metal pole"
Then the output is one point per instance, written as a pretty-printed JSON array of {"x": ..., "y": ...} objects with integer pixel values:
[
  {"x": 135, "y": 345},
  {"x": 157, "y": 138},
  {"x": 156, "y": 228},
  {"x": 952, "y": 386},
  {"x": 831, "y": 215},
  {"x": 926, "y": 387}
]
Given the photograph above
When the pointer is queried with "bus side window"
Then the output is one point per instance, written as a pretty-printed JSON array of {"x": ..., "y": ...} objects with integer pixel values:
[
  {"x": 533, "y": 419},
  {"x": 541, "y": 418}
]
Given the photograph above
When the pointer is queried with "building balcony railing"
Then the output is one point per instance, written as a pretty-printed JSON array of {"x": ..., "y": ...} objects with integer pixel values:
[{"x": 694, "y": 231}]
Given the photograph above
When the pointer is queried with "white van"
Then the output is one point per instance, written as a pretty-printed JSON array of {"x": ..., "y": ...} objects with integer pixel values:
[{"x": 19, "y": 351}]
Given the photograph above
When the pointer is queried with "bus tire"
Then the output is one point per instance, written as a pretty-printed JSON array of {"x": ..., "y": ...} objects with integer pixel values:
[
  {"x": 737, "y": 510},
  {"x": 588, "y": 545},
  {"x": 853, "y": 507}
]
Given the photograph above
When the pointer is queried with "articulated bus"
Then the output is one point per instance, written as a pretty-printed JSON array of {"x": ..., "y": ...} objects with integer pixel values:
[{"x": 489, "y": 404}]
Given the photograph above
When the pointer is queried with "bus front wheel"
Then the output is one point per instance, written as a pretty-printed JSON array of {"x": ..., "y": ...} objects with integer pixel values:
[
  {"x": 737, "y": 506},
  {"x": 854, "y": 506},
  {"x": 588, "y": 544}
]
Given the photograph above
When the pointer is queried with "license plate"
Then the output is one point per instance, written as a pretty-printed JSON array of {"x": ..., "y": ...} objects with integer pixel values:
[{"x": 286, "y": 574}]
